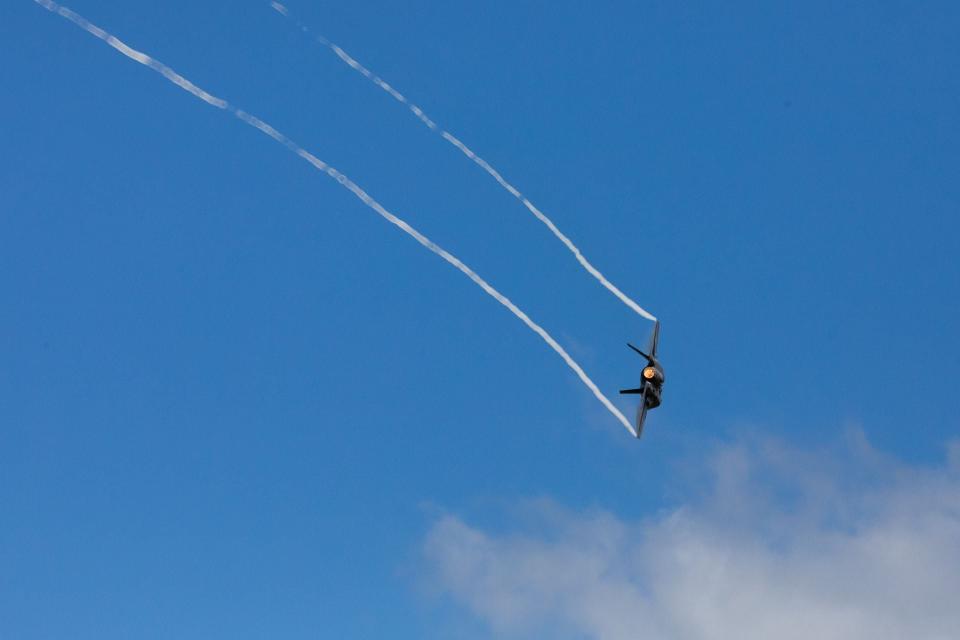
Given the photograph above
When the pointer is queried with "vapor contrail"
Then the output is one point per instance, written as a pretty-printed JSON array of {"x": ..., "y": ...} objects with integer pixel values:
[
  {"x": 355, "y": 189},
  {"x": 483, "y": 164}
]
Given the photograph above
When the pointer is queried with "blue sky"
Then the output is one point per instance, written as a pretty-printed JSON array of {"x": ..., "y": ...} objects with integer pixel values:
[{"x": 235, "y": 403}]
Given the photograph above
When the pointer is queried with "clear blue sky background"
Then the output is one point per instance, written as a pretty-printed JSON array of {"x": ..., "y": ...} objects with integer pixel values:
[{"x": 233, "y": 399}]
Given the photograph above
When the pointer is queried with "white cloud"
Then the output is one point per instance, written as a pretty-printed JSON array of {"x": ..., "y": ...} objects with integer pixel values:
[{"x": 782, "y": 544}]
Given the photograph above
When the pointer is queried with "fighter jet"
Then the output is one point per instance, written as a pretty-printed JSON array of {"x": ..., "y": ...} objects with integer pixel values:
[{"x": 651, "y": 379}]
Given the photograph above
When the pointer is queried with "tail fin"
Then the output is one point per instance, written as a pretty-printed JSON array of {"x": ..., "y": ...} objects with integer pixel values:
[{"x": 640, "y": 352}]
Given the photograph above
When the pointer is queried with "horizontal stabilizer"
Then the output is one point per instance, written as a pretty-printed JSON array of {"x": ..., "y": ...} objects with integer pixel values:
[{"x": 624, "y": 391}]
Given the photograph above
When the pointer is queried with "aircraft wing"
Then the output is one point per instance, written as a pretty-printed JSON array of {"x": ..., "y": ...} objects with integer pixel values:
[
  {"x": 654, "y": 339},
  {"x": 641, "y": 412}
]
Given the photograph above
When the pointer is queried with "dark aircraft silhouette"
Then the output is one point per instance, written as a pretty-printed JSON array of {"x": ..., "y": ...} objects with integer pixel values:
[{"x": 651, "y": 379}]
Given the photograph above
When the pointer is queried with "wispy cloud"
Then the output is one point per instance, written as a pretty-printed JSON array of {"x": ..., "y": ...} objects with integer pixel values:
[
  {"x": 344, "y": 181},
  {"x": 783, "y": 543}
]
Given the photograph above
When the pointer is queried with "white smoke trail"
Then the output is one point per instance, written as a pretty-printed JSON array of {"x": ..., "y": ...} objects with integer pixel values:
[
  {"x": 483, "y": 164},
  {"x": 265, "y": 128}
]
